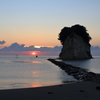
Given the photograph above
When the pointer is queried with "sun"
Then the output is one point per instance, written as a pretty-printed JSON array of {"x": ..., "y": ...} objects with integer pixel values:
[{"x": 33, "y": 53}]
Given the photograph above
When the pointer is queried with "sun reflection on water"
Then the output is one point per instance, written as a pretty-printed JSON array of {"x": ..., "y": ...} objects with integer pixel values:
[{"x": 26, "y": 61}]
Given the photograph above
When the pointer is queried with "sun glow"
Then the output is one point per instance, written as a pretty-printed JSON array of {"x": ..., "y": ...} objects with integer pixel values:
[
  {"x": 37, "y": 46},
  {"x": 33, "y": 53},
  {"x": 43, "y": 46}
]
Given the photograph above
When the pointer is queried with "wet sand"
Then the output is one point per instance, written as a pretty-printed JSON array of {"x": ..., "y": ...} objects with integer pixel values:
[{"x": 73, "y": 91}]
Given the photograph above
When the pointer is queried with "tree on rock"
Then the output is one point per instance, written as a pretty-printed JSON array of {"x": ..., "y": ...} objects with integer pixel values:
[
  {"x": 76, "y": 29},
  {"x": 75, "y": 41}
]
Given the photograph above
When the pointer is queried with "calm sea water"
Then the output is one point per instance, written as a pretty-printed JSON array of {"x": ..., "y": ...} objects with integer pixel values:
[
  {"x": 92, "y": 65},
  {"x": 29, "y": 71}
]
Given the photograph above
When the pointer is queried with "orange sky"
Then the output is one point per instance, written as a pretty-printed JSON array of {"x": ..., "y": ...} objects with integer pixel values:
[{"x": 38, "y": 23}]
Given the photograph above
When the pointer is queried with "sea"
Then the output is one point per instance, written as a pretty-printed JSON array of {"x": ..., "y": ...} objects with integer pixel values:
[{"x": 30, "y": 71}]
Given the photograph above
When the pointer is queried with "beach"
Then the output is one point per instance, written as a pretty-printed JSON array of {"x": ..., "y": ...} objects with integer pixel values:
[
  {"x": 86, "y": 88},
  {"x": 72, "y": 91}
]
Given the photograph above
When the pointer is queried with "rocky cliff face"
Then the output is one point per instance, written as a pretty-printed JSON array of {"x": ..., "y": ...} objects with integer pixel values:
[{"x": 75, "y": 48}]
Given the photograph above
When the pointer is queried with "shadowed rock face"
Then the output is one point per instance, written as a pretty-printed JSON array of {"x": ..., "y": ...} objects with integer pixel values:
[
  {"x": 75, "y": 41},
  {"x": 74, "y": 48}
]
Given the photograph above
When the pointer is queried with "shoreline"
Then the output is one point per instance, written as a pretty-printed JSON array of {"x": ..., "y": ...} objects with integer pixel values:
[
  {"x": 73, "y": 91},
  {"x": 77, "y": 72},
  {"x": 87, "y": 89}
]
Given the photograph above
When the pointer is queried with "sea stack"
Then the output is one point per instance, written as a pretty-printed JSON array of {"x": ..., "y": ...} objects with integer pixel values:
[{"x": 75, "y": 41}]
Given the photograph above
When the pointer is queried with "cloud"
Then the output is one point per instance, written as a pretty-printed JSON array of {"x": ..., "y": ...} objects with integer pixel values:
[
  {"x": 21, "y": 47},
  {"x": 17, "y": 47},
  {"x": 95, "y": 50},
  {"x": 2, "y": 42},
  {"x": 56, "y": 48}
]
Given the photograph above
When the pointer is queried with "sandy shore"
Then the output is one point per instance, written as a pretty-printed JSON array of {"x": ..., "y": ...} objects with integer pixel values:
[{"x": 73, "y": 91}]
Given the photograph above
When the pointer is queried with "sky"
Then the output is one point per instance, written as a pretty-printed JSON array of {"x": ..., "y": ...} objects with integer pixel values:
[{"x": 38, "y": 22}]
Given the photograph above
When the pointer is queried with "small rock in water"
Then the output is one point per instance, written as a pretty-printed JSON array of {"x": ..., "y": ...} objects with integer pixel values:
[
  {"x": 98, "y": 87},
  {"x": 50, "y": 92},
  {"x": 81, "y": 90},
  {"x": 60, "y": 85}
]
